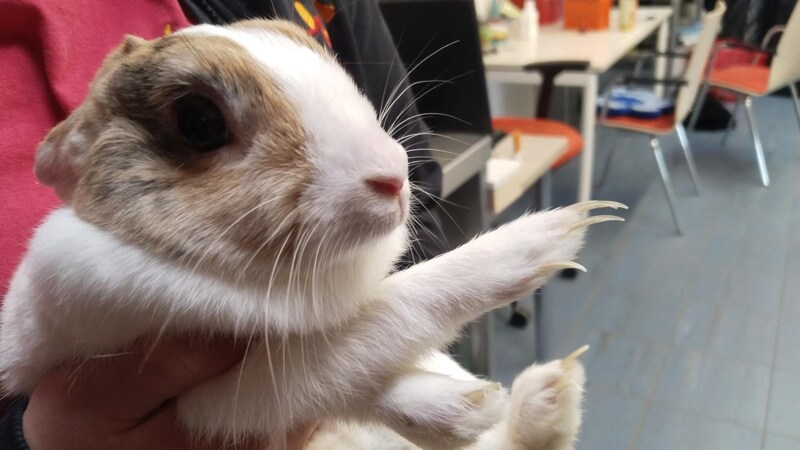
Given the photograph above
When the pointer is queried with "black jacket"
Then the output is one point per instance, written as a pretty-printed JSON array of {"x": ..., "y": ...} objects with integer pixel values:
[{"x": 11, "y": 436}]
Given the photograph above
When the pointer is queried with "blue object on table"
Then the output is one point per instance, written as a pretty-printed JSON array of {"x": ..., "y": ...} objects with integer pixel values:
[{"x": 640, "y": 103}]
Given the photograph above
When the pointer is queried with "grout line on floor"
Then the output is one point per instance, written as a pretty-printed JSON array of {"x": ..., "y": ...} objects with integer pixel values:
[
  {"x": 676, "y": 408},
  {"x": 622, "y": 243},
  {"x": 649, "y": 401},
  {"x": 778, "y": 329}
]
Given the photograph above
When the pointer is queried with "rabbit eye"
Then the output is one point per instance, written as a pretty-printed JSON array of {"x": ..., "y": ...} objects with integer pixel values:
[{"x": 201, "y": 124}]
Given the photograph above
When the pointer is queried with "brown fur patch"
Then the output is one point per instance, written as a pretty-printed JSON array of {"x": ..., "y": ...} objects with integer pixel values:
[{"x": 138, "y": 178}]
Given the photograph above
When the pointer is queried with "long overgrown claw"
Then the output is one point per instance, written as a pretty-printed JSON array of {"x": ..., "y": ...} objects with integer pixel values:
[
  {"x": 593, "y": 220},
  {"x": 596, "y": 204},
  {"x": 477, "y": 397},
  {"x": 561, "y": 266},
  {"x": 569, "y": 362}
]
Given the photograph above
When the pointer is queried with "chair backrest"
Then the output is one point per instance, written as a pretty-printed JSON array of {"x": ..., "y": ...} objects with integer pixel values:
[
  {"x": 785, "y": 67},
  {"x": 695, "y": 69}
]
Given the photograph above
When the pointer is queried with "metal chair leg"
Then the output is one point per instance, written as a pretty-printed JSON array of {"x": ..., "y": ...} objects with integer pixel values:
[
  {"x": 731, "y": 121},
  {"x": 606, "y": 167},
  {"x": 687, "y": 151},
  {"x": 698, "y": 105},
  {"x": 796, "y": 101},
  {"x": 545, "y": 191},
  {"x": 762, "y": 164},
  {"x": 611, "y": 152},
  {"x": 662, "y": 167},
  {"x": 538, "y": 331}
]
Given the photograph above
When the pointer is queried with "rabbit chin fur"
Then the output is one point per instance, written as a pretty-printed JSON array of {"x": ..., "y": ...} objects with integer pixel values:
[
  {"x": 352, "y": 343},
  {"x": 81, "y": 292}
]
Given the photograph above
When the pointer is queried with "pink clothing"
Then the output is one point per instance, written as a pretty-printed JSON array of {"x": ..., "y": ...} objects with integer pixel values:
[{"x": 49, "y": 52}]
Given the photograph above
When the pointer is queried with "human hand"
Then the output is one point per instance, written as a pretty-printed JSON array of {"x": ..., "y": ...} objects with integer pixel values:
[{"x": 127, "y": 402}]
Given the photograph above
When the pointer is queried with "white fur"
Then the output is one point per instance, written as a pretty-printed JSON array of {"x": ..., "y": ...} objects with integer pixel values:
[
  {"x": 68, "y": 300},
  {"x": 544, "y": 414},
  {"x": 355, "y": 346}
]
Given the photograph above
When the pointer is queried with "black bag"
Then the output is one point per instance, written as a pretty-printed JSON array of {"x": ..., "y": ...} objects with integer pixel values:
[{"x": 713, "y": 116}]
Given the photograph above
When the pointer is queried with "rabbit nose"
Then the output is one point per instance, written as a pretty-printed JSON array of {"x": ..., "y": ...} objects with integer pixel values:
[{"x": 386, "y": 185}]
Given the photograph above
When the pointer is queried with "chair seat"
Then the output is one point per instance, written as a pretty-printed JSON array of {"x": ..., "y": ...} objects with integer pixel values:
[
  {"x": 546, "y": 127},
  {"x": 660, "y": 125},
  {"x": 748, "y": 79}
]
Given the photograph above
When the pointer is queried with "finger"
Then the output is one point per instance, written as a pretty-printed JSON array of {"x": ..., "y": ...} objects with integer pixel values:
[
  {"x": 162, "y": 430},
  {"x": 135, "y": 382},
  {"x": 298, "y": 439}
]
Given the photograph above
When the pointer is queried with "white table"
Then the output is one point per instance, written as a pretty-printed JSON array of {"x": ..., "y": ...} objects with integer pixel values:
[
  {"x": 600, "y": 49},
  {"x": 537, "y": 155},
  {"x": 470, "y": 206},
  {"x": 463, "y": 159},
  {"x": 470, "y": 203}
]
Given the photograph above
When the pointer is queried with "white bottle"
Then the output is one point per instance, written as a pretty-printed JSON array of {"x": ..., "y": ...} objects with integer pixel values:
[
  {"x": 528, "y": 22},
  {"x": 627, "y": 14}
]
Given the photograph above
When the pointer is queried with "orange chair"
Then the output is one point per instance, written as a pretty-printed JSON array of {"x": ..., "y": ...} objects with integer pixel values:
[
  {"x": 540, "y": 125},
  {"x": 546, "y": 127},
  {"x": 757, "y": 80},
  {"x": 686, "y": 97}
]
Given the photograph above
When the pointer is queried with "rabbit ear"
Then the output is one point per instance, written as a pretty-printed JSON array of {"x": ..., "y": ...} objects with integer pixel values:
[
  {"x": 130, "y": 43},
  {"x": 59, "y": 156}
]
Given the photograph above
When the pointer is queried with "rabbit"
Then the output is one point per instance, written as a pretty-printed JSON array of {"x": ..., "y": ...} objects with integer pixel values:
[{"x": 232, "y": 180}]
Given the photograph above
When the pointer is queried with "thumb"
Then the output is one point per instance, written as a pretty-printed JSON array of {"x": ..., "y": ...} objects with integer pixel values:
[{"x": 133, "y": 383}]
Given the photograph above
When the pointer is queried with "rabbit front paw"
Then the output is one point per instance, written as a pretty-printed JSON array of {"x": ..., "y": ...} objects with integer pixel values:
[
  {"x": 545, "y": 410},
  {"x": 543, "y": 244},
  {"x": 439, "y": 412}
]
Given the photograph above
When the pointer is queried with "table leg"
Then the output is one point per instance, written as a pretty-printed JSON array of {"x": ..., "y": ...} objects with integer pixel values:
[
  {"x": 538, "y": 332},
  {"x": 662, "y": 45},
  {"x": 465, "y": 217},
  {"x": 543, "y": 199},
  {"x": 588, "y": 122}
]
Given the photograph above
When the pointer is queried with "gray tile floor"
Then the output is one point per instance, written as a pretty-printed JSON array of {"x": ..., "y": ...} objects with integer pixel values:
[{"x": 696, "y": 339}]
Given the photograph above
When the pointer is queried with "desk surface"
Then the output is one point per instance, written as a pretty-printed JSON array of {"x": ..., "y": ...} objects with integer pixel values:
[
  {"x": 461, "y": 155},
  {"x": 602, "y": 49},
  {"x": 537, "y": 154}
]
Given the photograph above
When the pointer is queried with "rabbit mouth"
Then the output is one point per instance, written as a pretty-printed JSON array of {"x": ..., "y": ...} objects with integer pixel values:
[
  {"x": 370, "y": 222},
  {"x": 393, "y": 214}
]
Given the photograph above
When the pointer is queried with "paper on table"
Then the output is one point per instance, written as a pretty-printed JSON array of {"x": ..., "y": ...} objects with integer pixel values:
[{"x": 498, "y": 171}]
